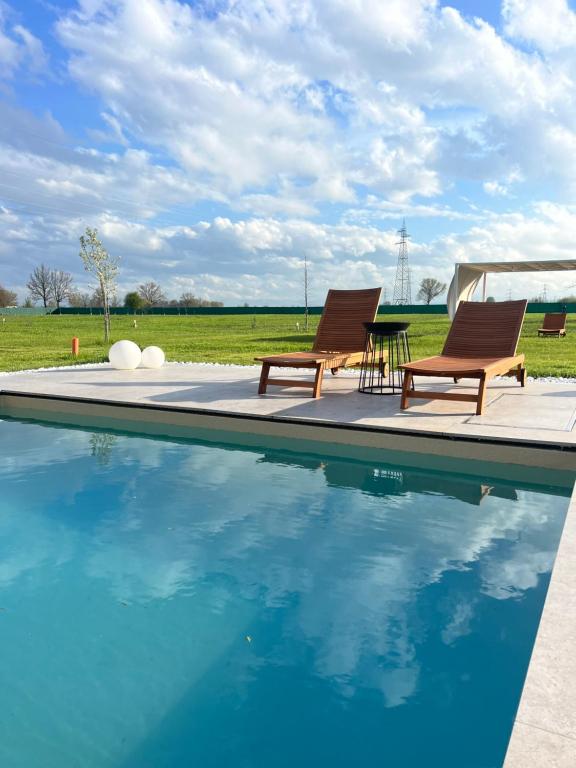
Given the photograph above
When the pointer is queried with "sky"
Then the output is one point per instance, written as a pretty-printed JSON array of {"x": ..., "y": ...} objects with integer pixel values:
[{"x": 215, "y": 144}]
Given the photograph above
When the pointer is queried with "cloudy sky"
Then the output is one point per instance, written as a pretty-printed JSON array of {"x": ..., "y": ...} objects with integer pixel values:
[{"x": 214, "y": 143}]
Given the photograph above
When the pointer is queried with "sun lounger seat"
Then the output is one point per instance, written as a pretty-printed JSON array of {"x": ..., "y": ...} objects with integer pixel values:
[
  {"x": 554, "y": 324},
  {"x": 339, "y": 341},
  {"x": 481, "y": 344}
]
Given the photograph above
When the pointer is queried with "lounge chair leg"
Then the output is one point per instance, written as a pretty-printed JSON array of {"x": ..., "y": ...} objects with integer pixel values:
[
  {"x": 481, "y": 393},
  {"x": 522, "y": 377},
  {"x": 334, "y": 371},
  {"x": 264, "y": 378},
  {"x": 318, "y": 381},
  {"x": 456, "y": 380},
  {"x": 407, "y": 384}
]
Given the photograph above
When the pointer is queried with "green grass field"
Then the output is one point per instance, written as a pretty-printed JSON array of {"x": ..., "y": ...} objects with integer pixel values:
[{"x": 35, "y": 342}]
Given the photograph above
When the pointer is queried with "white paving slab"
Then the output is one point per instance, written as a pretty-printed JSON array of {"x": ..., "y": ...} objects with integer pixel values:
[{"x": 554, "y": 411}]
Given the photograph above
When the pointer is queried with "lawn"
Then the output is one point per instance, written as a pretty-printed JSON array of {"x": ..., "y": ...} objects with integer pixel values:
[{"x": 35, "y": 342}]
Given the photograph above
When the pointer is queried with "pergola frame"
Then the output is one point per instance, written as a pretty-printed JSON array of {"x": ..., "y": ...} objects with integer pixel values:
[{"x": 467, "y": 276}]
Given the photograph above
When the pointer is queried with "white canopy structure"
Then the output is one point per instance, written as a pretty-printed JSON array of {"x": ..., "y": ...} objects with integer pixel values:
[{"x": 467, "y": 276}]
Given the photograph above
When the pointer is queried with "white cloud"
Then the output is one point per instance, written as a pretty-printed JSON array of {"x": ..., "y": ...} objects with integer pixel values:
[
  {"x": 227, "y": 101},
  {"x": 260, "y": 261},
  {"x": 549, "y": 26},
  {"x": 246, "y": 134},
  {"x": 258, "y": 98},
  {"x": 19, "y": 48},
  {"x": 495, "y": 188}
]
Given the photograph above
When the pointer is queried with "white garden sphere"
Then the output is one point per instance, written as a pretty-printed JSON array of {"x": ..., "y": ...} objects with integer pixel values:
[
  {"x": 153, "y": 357},
  {"x": 125, "y": 355}
]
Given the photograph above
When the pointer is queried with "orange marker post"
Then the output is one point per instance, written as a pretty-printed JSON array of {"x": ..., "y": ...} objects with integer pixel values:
[{"x": 75, "y": 346}]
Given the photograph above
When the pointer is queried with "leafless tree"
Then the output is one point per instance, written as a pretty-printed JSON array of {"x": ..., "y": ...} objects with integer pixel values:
[
  {"x": 152, "y": 294},
  {"x": 187, "y": 299},
  {"x": 7, "y": 298},
  {"x": 97, "y": 298},
  {"x": 98, "y": 262},
  {"x": 40, "y": 285},
  {"x": 61, "y": 285},
  {"x": 429, "y": 289},
  {"x": 79, "y": 299}
]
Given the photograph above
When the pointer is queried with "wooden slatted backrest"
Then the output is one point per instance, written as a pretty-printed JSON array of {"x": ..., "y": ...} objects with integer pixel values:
[
  {"x": 341, "y": 326},
  {"x": 554, "y": 321},
  {"x": 490, "y": 329}
]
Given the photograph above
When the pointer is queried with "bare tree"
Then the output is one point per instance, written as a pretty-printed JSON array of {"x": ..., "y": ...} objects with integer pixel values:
[
  {"x": 98, "y": 262},
  {"x": 61, "y": 283},
  {"x": 79, "y": 299},
  {"x": 40, "y": 285},
  {"x": 152, "y": 294},
  {"x": 429, "y": 289},
  {"x": 96, "y": 299},
  {"x": 187, "y": 299},
  {"x": 7, "y": 298}
]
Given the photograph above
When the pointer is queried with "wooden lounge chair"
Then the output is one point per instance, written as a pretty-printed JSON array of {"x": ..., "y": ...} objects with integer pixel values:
[
  {"x": 481, "y": 344},
  {"x": 554, "y": 324},
  {"x": 339, "y": 342}
]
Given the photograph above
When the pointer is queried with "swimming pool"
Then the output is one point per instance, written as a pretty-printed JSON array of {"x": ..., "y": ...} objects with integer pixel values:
[{"x": 173, "y": 603}]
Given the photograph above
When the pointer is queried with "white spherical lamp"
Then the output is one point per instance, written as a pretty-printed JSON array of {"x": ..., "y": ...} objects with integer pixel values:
[
  {"x": 153, "y": 357},
  {"x": 125, "y": 355}
]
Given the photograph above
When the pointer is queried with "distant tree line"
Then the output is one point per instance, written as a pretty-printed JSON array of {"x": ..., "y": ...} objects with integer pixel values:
[
  {"x": 151, "y": 295},
  {"x": 53, "y": 287}
]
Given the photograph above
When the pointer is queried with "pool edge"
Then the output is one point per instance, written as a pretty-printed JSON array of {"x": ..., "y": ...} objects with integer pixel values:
[
  {"x": 471, "y": 447},
  {"x": 544, "y": 732}
]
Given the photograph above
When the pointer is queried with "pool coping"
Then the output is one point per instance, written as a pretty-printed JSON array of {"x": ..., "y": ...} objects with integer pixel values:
[{"x": 544, "y": 731}]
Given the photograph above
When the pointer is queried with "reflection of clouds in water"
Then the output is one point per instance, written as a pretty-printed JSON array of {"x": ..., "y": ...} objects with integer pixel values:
[
  {"x": 28, "y": 541},
  {"x": 460, "y": 623},
  {"x": 27, "y": 446},
  {"x": 519, "y": 571},
  {"x": 287, "y": 530},
  {"x": 130, "y": 578},
  {"x": 355, "y": 560}
]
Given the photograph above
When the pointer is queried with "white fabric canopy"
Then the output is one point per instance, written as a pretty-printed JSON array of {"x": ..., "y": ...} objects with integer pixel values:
[{"x": 467, "y": 276}]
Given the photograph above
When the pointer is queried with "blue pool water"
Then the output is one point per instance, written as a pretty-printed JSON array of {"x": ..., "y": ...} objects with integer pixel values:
[{"x": 173, "y": 604}]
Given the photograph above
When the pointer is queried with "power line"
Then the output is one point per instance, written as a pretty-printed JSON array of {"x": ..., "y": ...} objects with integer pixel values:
[
  {"x": 41, "y": 208},
  {"x": 121, "y": 201}
]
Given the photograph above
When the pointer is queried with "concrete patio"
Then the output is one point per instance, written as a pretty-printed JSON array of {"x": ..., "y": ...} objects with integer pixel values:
[{"x": 542, "y": 413}]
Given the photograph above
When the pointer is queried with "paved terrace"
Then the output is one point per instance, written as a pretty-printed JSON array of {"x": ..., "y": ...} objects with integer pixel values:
[{"x": 543, "y": 413}]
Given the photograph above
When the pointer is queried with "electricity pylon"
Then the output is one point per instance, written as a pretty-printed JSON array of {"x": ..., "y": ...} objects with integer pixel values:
[{"x": 402, "y": 287}]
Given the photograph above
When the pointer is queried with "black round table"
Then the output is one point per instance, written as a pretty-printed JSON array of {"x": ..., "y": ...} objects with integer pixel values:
[{"x": 386, "y": 348}]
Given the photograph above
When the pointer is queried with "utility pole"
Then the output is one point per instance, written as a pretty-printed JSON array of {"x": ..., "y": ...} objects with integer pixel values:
[
  {"x": 305, "y": 292},
  {"x": 402, "y": 287}
]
